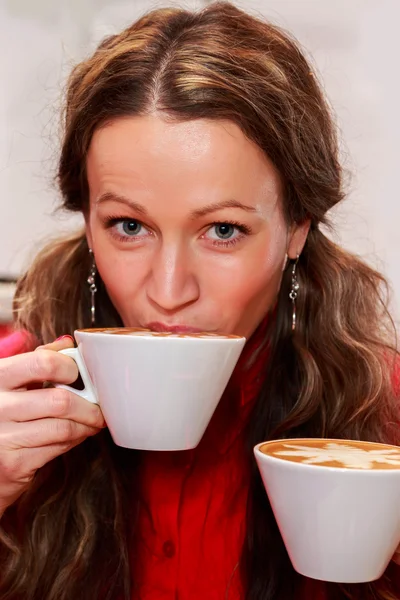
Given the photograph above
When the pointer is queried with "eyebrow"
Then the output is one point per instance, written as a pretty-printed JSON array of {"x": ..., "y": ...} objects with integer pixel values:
[
  {"x": 209, "y": 208},
  {"x": 195, "y": 214},
  {"x": 111, "y": 197}
]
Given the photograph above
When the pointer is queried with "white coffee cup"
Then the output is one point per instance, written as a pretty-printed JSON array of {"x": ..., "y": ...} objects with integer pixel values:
[
  {"x": 338, "y": 523},
  {"x": 156, "y": 391}
]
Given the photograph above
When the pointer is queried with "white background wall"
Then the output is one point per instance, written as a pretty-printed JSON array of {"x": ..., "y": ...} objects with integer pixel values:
[{"x": 354, "y": 43}]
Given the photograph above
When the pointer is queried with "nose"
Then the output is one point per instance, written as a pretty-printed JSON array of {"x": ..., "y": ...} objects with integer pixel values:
[{"x": 172, "y": 285}]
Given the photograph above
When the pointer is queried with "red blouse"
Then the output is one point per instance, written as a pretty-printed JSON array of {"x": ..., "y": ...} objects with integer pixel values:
[{"x": 191, "y": 523}]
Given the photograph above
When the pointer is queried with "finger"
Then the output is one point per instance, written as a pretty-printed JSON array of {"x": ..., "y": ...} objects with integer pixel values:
[
  {"x": 51, "y": 402},
  {"x": 20, "y": 465},
  {"x": 36, "y": 458},
  {"x": 65, "y": 341},
  {"x": 39, "y": 366},
  {"x": 44, "y": 432}
]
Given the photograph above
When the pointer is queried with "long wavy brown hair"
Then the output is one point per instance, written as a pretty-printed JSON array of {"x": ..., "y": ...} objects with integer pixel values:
[{"x": 67, "y": 536}]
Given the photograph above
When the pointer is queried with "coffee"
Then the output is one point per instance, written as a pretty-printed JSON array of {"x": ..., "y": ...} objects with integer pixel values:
[
  {"x": 346, "y": 454},
  {"x": 147, "y": 332}
]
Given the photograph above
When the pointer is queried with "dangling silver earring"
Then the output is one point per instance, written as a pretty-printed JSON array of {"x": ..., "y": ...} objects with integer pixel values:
[
  {"x": 294, "y": 291},
  {"x": 92, "y": 286}
]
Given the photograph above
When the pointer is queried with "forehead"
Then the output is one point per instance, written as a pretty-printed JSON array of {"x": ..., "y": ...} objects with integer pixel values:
[{"x": 207, "y": 157}]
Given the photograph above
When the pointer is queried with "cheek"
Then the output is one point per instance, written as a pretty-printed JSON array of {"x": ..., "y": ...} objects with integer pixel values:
[
  {"x": 246, "y": 284},
  {"x": 258, "y": 268},
  {"x": 246, "y": 288},
  {"x": 257, "y": 279},
  {"x": 256, "y": 298},
  {"x": 120, "y": 274}
]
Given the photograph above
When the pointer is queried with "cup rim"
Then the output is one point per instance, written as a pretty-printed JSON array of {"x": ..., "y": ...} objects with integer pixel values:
[
  {"x": 348, "y": 470},
  {"x": 148, "y": 334}
]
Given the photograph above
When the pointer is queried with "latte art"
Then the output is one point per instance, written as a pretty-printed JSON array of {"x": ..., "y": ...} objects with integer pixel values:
[{"x": 346, "y": 454}]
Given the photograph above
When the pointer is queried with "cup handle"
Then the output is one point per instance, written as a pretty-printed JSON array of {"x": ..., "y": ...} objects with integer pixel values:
[{"x": 88, "y": 392}]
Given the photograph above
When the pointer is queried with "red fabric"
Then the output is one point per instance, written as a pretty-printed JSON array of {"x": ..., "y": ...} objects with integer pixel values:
[
  {"x": 191, "y": 523},
  {"x": 5, "y": 330},
  {"x": 16, "y": 342}
]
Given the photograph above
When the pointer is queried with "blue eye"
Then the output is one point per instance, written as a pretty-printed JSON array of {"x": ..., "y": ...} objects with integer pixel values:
[
  {"x": 131, "y": 227},
  {"x": 224, "y": 231},
  {"x": 128, "y": 228}
]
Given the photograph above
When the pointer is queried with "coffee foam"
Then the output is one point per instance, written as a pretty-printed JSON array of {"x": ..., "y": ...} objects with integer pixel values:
[
  {"x": 136, "y": 331},
  {"x": 346, "y": 454}
]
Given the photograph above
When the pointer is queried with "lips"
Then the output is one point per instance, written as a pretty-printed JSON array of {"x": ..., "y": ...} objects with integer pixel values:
[{"x": 165, "y": 328}]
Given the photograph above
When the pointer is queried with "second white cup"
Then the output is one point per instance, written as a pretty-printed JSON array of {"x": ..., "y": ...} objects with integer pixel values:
[{"x": 337, "y": 505}]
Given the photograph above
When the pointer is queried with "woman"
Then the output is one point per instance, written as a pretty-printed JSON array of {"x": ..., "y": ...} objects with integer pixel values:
[{"x": 202, "y": 154}]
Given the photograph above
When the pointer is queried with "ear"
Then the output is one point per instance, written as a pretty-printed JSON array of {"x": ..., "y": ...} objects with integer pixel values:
[{"x": 297, "y": 238}]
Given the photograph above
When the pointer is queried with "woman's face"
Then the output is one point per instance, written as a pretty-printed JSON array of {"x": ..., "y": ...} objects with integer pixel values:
[{"x": 186, "y": 225}]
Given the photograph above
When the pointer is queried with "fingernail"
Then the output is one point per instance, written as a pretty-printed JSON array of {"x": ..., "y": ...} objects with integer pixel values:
[{"x": 64, "y": 337}]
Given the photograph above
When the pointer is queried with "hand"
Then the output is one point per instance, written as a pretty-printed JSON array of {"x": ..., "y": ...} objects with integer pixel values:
[{"x": 36, "y": 425}]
